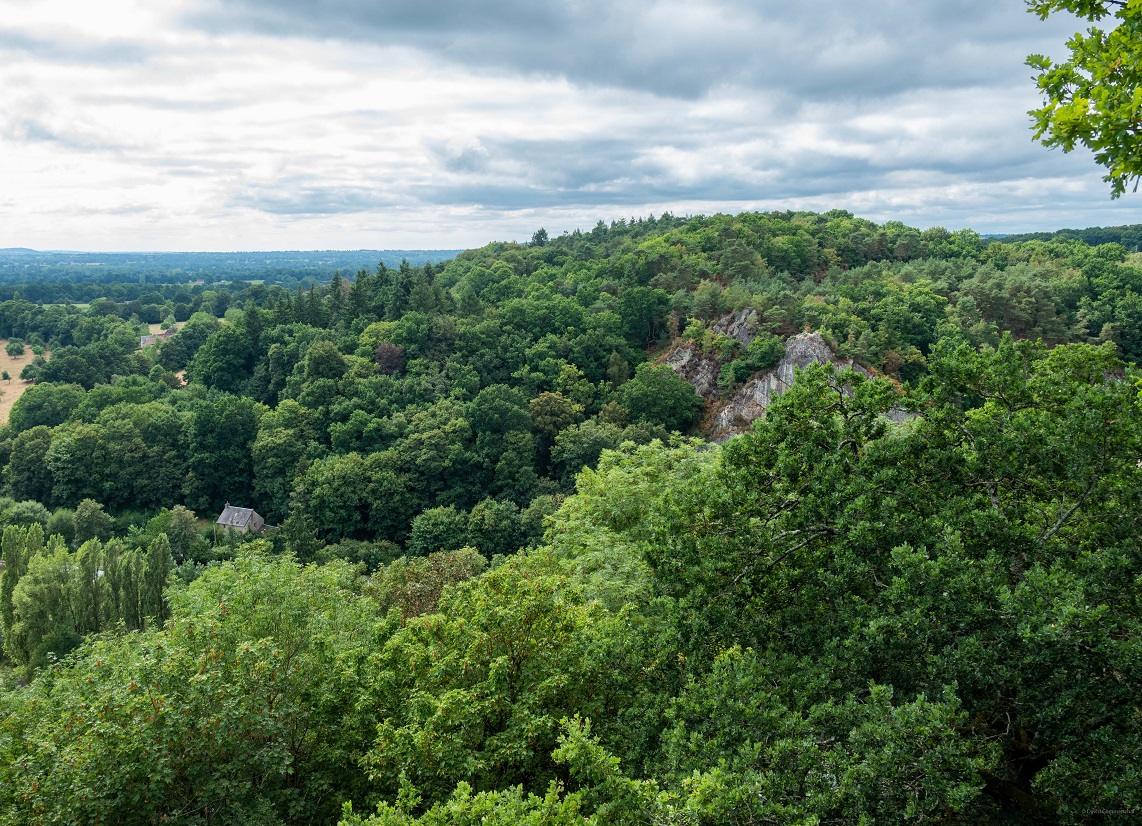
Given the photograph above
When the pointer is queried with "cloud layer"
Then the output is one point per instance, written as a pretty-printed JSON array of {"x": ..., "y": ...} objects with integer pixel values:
[
  {"x": 264, "y": 124},
  {"x": 830, "y": 49}
]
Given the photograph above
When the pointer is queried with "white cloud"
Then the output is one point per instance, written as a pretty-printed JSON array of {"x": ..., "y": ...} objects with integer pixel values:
[{"x": 258, "y": 125}]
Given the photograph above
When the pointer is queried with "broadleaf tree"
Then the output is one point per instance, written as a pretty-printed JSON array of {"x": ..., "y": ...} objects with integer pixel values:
[{"x": 1094, "y": 97}]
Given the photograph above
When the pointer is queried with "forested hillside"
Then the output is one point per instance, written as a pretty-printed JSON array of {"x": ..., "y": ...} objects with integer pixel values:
[{"x": 505, "y": 584}]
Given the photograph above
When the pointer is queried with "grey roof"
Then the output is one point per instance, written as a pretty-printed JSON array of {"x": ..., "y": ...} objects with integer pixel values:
[{"x": 235, "y": 517}]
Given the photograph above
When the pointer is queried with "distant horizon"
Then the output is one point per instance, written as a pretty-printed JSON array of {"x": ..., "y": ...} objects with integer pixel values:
[
  {"x": 344, "y": 250},
  {"x": 228, "y": 252}
]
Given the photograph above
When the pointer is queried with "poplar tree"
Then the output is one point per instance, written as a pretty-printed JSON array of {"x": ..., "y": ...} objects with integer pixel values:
[
  {"x": 156, "y": 568},
  {"x": 13, "y": 548}
]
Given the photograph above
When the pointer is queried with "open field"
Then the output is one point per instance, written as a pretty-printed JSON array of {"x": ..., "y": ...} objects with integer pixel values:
[
  {"x": 12, "y": 390},
  {"x": 155, "y": 329}
]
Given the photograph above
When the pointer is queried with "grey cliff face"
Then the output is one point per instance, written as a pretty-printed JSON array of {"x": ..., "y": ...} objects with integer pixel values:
[
  {"x": 695, "y": 368},
  {"x": 750, "y": 401},
  {"x": 742, "y": 325}
]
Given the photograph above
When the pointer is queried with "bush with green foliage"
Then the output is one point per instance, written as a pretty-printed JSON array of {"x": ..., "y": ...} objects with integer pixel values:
[
  {"x": 229, "y": 711},
  {"x": 657, "y": 395}
]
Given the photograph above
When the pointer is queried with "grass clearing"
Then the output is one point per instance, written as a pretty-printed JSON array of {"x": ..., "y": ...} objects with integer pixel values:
[{"x": 155, "y": 329}]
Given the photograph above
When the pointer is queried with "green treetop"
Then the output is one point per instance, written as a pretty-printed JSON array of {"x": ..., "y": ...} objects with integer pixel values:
[{"x": 1095, "y": 97}]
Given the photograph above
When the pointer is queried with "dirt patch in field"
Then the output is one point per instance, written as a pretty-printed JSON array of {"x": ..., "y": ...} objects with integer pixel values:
[
  {"x": 12, "y": 390},
  {"x": 155, "y": 329}
]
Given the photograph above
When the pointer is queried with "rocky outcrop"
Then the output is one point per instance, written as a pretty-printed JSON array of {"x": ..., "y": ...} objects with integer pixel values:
[
  {"x": 751, "y": 400},
  {"x": 742, "y": 325},
  {"x": 728, "y": 417},
  {"x": 702, "y": 371},
  {"x": 699, "y": 370}
]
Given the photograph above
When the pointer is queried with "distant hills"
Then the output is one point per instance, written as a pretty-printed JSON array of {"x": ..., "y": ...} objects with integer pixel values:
[
  {"x": 1129, "y": 236},
  {"x": 20, "y": 264}
]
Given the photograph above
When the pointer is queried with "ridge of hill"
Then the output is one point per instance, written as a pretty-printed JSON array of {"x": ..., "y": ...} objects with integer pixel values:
[{"x": 1129, "y": 236}]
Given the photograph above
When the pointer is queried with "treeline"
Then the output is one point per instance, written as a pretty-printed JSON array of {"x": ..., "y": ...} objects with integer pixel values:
[
  {"x": 145, "y": 303},
  {"x": 33, "y": 269},
  {"x": 834, "y": 618},
  {"x": 1130, "y": 236}
]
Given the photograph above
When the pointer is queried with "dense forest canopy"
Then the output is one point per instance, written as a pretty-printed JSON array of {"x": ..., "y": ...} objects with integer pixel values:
[{"x": 505, "y": 584}]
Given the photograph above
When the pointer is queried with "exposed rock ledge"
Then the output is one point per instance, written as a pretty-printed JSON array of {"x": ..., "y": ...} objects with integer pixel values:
[{"x": 734, "y": 415}]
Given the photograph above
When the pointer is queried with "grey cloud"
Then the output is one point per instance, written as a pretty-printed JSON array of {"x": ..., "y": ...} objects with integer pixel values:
[
  {"x": 129, "y": 209},
  {"x": 468, "y": 159},
  {"x": 635, "y": 181},
  {"x": 505, "y": 174},
  {"x": 74, "y": 51},
  {"x": 312, "y": 198},
  {"x": 32, "y": 130},
  {"x": 700, "y": 103},
  {"x": 506, "y": 196},
  {"x": 835, "y": 48},
  {"x": 550, "y": 164},
  {"x": 192, "y": 168},
  {"x": 171, "y": 104},
  {"x": 728, "y": 161}
]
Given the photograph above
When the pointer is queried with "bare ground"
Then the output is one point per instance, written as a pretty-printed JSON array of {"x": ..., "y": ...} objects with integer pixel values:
[{"x": 13, "y": 389}]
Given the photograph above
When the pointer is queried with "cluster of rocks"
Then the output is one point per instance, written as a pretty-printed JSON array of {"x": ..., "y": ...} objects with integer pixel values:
[{"x": 750, "y": 400}]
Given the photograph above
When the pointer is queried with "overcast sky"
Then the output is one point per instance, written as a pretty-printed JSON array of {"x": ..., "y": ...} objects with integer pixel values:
[{"x": 322, "y": 124}]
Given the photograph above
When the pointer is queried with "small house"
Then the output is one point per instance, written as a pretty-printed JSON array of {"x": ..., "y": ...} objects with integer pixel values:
[{"x": 243, "y": 520}]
